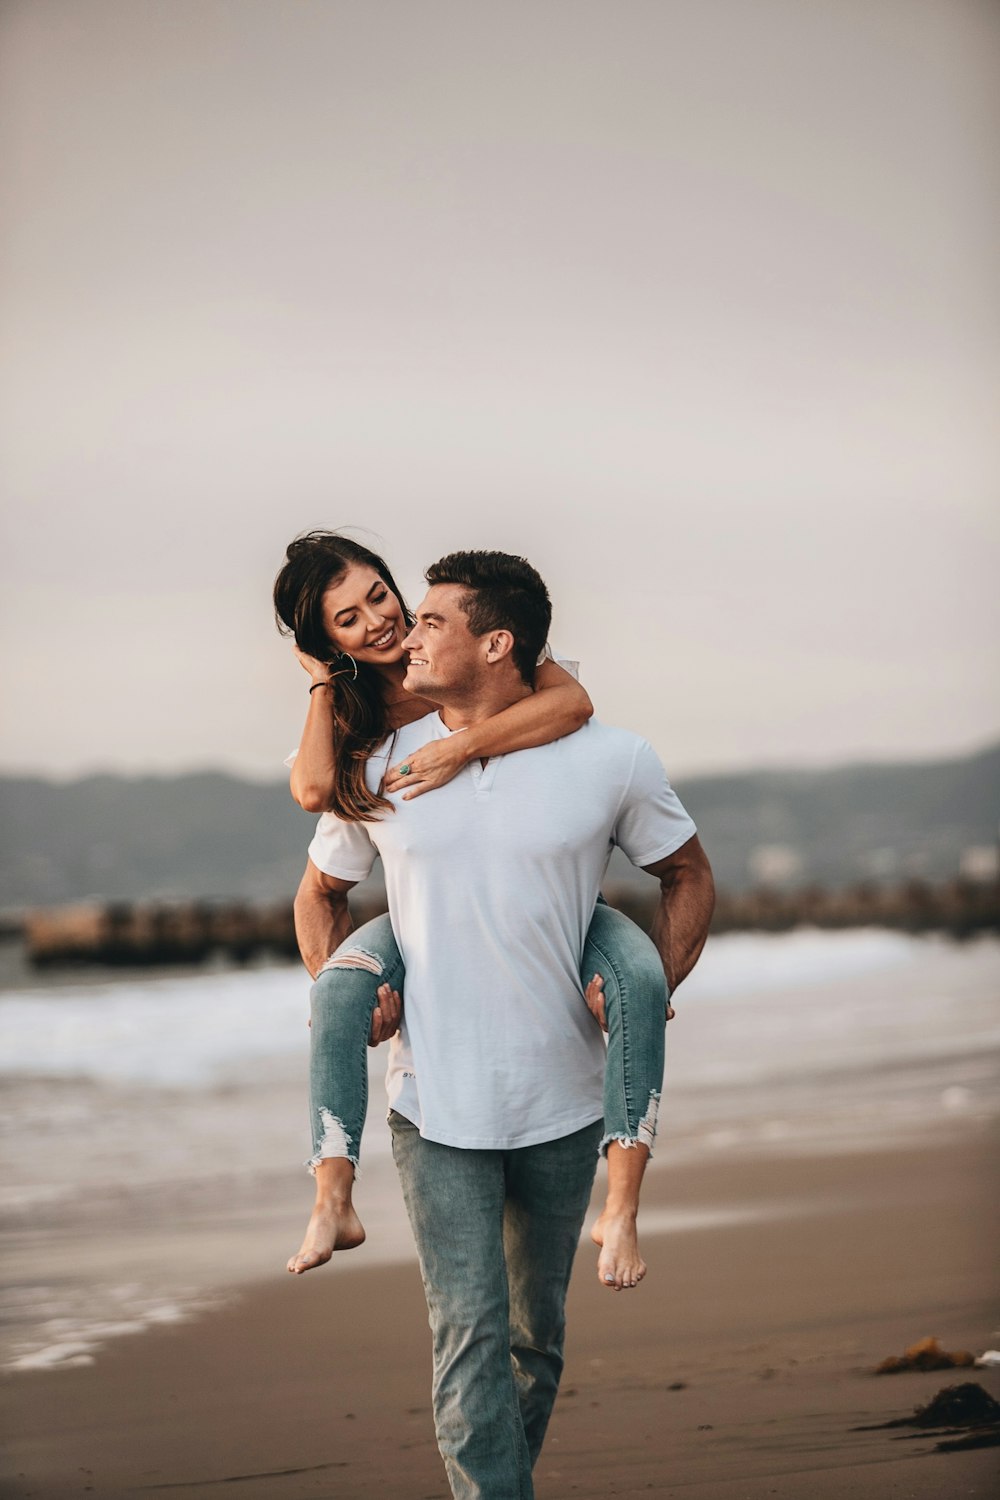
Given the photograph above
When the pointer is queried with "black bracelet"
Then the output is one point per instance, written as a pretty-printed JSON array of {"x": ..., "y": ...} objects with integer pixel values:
[{"x": 318, "y": 684}]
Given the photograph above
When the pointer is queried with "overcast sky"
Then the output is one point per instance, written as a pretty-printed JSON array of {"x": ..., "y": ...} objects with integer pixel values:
[{"x": 693, "y": 303}]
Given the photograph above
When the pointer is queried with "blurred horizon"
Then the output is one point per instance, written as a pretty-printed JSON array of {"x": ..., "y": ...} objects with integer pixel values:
[
  {"x": 263, "y": 777},
  {"x": 217, "y": 835},
  {"x": 694, "y": 306}
]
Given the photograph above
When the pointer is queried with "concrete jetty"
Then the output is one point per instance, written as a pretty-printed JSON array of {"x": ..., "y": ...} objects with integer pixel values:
[
  {"x": 176, "y": 932},
  {"x": 186, "y": 932}
]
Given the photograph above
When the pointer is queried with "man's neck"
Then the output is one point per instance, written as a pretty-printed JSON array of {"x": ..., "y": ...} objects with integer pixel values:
[{"x": 461, "y": 711}]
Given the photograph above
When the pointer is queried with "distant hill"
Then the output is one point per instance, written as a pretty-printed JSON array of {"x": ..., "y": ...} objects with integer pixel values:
[
  {"x": 119, "y": 837},
  {"x": 834, "y": 827},
  {"x": 212, "y": 834}
]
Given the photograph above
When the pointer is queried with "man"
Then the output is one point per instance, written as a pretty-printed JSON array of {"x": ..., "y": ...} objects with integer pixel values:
[{"x": 495, "y": 1080}]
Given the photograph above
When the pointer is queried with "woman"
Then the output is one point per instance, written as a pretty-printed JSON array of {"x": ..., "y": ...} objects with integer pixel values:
[{"x": 349, "y": 619}]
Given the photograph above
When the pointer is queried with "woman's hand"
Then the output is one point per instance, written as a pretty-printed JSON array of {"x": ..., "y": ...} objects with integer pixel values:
[
  {"x": 317, "y": 670},
  {"x": 433, "y": 765}
]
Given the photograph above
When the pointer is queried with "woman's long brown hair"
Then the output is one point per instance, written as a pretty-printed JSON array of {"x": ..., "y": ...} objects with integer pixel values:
[{"x": 312, "y": 563}]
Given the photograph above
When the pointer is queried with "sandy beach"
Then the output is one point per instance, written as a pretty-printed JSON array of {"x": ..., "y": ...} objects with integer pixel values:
[
  {"x": 823, "y": 1196},
  {"x": 741, "y": 1368}
]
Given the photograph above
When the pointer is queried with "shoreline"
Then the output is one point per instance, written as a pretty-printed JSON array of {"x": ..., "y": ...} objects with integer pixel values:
[
  {"x": 741, "y": 1366},
  {"x": 156, "y": 1129}
]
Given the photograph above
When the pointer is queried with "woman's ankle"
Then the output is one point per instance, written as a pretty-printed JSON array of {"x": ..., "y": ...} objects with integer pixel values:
[{"x": 334, "y": 1182}]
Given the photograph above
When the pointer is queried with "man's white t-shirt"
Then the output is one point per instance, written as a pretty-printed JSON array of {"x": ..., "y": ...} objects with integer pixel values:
[{"x": 492, "y": 881}]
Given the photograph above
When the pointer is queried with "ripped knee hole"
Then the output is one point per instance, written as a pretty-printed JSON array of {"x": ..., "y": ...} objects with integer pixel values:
[{"x": 355, "y": 958}]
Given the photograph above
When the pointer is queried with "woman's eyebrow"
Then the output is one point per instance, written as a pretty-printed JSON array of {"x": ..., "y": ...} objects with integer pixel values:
[{"x": 350, "y": 608}]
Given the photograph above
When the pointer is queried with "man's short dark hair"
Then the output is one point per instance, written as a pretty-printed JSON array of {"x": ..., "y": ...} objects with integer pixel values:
[{"x": 503, "y": 592}]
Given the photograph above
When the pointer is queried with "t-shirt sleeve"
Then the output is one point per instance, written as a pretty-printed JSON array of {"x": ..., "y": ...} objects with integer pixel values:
[
  {"x": 342, "y": 849},
  {"x": 652, "y": 821},
  {"x": 566, "y": 662}
]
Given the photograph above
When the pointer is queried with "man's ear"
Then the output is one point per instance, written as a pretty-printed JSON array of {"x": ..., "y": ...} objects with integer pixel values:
[{"x": 499, "y": 644}]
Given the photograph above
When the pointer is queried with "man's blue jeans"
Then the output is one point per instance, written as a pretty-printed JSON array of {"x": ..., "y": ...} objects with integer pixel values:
[{"x": 496, "y": 1232}]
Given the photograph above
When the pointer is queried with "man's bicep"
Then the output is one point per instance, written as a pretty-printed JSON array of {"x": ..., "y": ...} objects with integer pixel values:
[{"x": 690, "y": 856}]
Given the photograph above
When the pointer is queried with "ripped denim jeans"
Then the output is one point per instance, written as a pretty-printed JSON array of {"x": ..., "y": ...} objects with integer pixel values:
[{"x": 344, "y": 995}]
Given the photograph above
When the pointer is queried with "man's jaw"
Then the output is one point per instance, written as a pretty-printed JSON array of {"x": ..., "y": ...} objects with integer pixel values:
[{"x": 411, "y": 680}]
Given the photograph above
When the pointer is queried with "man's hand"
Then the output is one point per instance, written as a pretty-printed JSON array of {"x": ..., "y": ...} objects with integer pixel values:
[
  {"x": 594, "y": 996},
  {"x": 433, "y": 765},
  {"x": 385, "y": 1016}
]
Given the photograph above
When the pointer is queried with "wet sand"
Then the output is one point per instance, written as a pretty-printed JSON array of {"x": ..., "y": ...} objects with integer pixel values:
[{"x": 740, "y": 1368}]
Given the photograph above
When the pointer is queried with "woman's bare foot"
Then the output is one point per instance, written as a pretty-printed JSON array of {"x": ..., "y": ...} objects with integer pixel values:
[
  {"x": 334, "y": 1225},
  {"x": 331, "y": 1227},
  {"x": 619, "y": 1265}
]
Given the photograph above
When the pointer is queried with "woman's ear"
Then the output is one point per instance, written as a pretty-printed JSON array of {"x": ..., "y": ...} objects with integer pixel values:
[{"x": 501, "y": 643}]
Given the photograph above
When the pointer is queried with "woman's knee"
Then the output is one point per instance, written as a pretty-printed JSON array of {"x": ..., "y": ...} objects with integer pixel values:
[
  {"x": 623, "y": 954},
  {"x": 363, "y": 962},
  {"x": 372, "y": 947}
]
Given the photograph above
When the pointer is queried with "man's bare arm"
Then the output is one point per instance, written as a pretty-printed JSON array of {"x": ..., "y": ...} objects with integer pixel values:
[
  {"x": 322, "y": 916},
  {"x": 687, "y": 900},
  {"x": 322, "y": 922}
]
